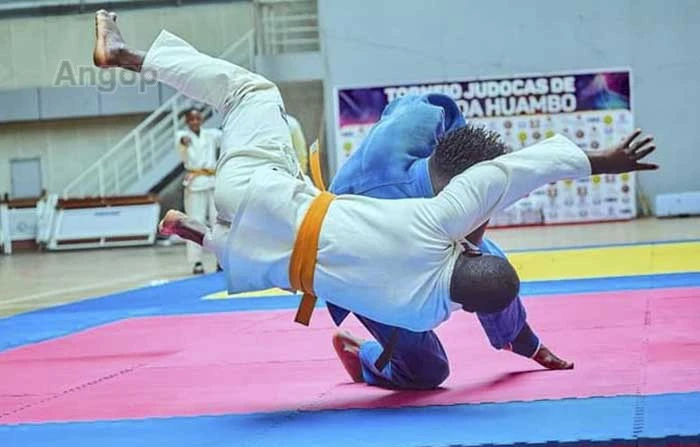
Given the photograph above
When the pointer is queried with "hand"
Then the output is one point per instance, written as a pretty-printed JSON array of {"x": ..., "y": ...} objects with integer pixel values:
[
  {"x": 185, "y": 141},
  {"x": 625, "y": 156}
]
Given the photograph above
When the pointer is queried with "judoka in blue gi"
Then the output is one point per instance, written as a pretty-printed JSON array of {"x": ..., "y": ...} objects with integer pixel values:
[{"x": 414, "y": 151}]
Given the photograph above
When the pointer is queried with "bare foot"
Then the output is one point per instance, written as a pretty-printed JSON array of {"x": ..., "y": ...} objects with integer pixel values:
[
  {"x": 179, "y": 223},
  {"x": 109, "y": 42},
  {"x": 347, "y": 348},
  {"x": 546, "y": 358},
  {"x": 168, "y": 226}
]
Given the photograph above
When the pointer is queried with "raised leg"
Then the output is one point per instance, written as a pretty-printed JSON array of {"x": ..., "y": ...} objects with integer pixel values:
[
  {"x": 255, "y": 129},
  {"x": 254, "y": 116}
]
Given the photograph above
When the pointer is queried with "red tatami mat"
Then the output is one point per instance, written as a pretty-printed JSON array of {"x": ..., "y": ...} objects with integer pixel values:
[{"x": 623, "y": 343}]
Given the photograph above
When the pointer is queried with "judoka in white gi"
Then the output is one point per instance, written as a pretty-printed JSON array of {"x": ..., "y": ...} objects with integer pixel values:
[
  {"x": 198, "y": 148},
  {"x": 398, "y": 262}
]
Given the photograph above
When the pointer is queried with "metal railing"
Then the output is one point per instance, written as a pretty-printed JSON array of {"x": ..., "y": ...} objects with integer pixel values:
[
  {"x": 140, "y": 151},
  {"x": 286, "y": 26}
]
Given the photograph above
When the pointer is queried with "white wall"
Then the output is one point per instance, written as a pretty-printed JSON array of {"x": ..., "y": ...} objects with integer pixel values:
[
  {"x": 367, "y": 42},
  {"x": 66, "y": 148}
]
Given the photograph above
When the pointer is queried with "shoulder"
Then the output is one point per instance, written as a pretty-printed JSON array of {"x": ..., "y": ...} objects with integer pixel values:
[{"x": 409, "y": 129}]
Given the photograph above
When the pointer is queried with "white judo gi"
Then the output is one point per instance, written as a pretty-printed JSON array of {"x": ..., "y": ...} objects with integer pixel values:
[
  {"x": 199, "y": 155},
  {"x": 389, "y": 260}
]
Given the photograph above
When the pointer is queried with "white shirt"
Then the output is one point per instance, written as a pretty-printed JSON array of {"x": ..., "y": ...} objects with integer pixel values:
[
  {"x": 200, "y": 154},
  {"x": 389, "y": 260}
]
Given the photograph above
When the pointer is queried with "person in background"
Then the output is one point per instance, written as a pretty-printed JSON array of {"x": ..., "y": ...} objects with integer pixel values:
[{"x": 198, "y": 149}]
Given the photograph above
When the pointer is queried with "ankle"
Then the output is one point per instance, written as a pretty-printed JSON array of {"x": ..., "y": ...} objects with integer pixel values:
[
  {"x": 127, "y": 58},
  {"x": 189, "y": 229}
]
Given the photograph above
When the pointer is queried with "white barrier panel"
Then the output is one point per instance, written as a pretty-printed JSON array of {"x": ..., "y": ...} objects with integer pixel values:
[
  {"x": 111, "y": 226},
  {"x": 23, "y": 224},
  {"x": 17, "y": 224},
  {"x": 678, "y": 204}
]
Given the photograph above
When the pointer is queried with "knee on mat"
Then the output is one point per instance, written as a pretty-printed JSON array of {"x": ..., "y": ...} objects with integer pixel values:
[
  {"x": 431, "y": 374},
  {"x": 484, "y": 284}
]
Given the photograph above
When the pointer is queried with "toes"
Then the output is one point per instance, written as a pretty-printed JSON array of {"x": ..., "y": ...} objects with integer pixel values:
[{"x": 104, "y": 13}]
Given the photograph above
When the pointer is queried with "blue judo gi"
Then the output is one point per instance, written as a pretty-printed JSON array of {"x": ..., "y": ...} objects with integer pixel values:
[{"x": 392, "y": 163}]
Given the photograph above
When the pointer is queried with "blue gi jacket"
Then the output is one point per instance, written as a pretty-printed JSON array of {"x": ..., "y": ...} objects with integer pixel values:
[{"x": 392, "y": 161}]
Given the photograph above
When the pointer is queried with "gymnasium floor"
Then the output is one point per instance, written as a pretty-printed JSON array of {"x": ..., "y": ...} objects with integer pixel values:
[{"x": 177, "y": 362}]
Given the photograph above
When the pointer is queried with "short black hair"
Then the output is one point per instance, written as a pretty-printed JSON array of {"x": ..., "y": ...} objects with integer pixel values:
[
  {"x": 484, "y": 284},
  {"x": 190, "y": 110},
  {"x": 462, "y": 148}
]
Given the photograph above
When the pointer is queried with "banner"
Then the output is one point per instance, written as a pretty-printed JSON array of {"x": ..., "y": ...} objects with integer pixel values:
[{"x": 592, "y": 109}]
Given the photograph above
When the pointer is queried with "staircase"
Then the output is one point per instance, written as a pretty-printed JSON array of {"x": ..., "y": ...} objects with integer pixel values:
[
  {"x": 146, "y": 155},
  {"x": 286, "y": 26}
]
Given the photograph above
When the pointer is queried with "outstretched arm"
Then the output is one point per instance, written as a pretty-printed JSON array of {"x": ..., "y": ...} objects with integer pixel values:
[
  {"x": 472, "y": 197},
  {"x": 182, "y": 142}
]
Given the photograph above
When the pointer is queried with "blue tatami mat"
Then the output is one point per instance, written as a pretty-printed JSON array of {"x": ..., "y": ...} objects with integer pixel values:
[{"x": 560, "y": 421}]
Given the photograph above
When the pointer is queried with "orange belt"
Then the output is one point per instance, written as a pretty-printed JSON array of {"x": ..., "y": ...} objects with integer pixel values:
[
  {"x": 315, "y": 165},
  {"x": 204, "y": 171},
  {"x": 302, "y": 263}
]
